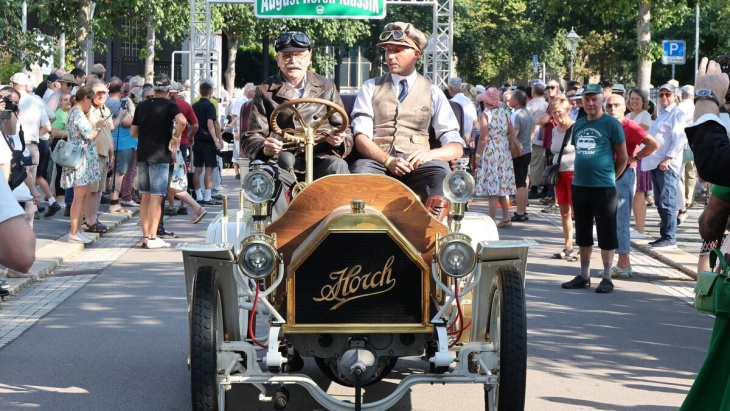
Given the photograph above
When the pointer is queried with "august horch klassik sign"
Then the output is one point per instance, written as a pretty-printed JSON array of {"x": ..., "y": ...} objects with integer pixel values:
[{"x": 311, "y": 9}]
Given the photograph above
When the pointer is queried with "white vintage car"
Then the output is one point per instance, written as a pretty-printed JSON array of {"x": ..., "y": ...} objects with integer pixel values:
[{"x": 355, "y": 275}]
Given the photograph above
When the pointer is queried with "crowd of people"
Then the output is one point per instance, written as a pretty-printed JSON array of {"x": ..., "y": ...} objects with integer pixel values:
[{"x": 104, "y": 121}]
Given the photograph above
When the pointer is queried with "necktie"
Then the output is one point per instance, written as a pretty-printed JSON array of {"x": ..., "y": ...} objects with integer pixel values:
[{"x": 403, "y": 90}]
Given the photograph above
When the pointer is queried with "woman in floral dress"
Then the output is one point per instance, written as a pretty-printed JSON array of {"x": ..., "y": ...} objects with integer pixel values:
[
  {"x": 495, "y": 176},
  {"x": 82, "y": 134}
]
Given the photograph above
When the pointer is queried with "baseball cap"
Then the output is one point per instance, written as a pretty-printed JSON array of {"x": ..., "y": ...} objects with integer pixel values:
[
  {"x": 688, "y": 89},
  {"x": 20, "y": 79},
  {"x": 292, "y": 41},
  {"x": 161, "y": 80},
  {"x": 174, "y": 86},
  {"x": 53, "y": 77},
  {"x": 403, "y": 34},
  {"x": 668, "y": 86},
  {"x": 592, "y": 89},
  {"x": 577, "y": 95}
]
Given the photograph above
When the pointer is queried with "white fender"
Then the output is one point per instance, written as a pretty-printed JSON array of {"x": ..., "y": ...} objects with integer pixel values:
[{"x": 480, "y": 227}]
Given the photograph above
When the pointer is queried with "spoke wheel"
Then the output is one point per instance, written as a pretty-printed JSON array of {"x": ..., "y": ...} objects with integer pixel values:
[
  {"x": 205, "y": 332},
  {"x": 508, "y": 332}
]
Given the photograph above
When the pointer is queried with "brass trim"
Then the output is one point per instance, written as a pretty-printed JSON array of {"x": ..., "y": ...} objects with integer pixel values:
[
  {"x": 360, "y": 223},
  {"x": 259, "y": 209}
]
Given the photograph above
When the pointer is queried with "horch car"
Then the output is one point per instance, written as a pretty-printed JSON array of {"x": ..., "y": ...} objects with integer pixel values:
[{"x": 355, "y": 275}]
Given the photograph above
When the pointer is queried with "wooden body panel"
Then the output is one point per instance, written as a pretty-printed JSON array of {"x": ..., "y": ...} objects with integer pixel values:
[{"x": 396, "y": 201}]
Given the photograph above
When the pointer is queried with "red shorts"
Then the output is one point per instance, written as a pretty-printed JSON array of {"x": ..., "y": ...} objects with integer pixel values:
[{"x": 563, "y": 190}]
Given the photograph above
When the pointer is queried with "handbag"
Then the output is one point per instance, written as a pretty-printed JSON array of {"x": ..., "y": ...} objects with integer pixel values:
[
  {"x": 687, "y": 154},
  {"x": 179, "y": 174},
  {"x": 551, "y": 174},
  {"x": 67, "y": 154},
  {"x": 712, "y": 291},
  {"x": 515, "y": 147},
  {"x": 17, "y": 165}
]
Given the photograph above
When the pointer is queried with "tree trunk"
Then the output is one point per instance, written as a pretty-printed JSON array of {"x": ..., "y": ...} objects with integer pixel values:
[
  {"x": 149, "y": 61},
  {"x": 82, "y": 34},
  {"x": 230, "y": 73},
  {"x": 643, "y": 25}
]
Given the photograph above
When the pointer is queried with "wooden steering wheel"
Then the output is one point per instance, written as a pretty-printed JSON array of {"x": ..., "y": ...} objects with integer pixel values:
[{"x": 300, "y": 136}]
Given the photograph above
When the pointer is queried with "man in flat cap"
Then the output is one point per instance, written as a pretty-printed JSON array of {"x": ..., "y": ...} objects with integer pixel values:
[
  {"x": 392, "y": 136},
  {"x": 294, "y": 81}
]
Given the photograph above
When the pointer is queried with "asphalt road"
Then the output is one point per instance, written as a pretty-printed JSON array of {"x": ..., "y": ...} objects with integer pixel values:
[{"x": 121, "y": 342}]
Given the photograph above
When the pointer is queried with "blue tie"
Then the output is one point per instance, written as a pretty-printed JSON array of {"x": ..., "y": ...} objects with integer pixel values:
[{"x": 403, "y": 90}]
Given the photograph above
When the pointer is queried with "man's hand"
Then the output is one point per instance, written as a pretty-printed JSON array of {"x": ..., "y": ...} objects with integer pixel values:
[
  {"x": 36, "y": 197},
  {"x": 219, "y": 144},
  {"x": 419, "y": 157},
  {"x": 336, "y": 139},
  {"x": 664, "y": 165},
  {"x": 399, "y": 166},
  {"x": 710, "y": 76},
  {"x": 174, "y": 145},
  {"x": 272, "y": 147}
]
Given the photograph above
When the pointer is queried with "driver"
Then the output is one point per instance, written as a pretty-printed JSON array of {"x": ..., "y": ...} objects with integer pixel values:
[
  {"x": 294, "y": 81},
  {"x": 392, "y": 136}
]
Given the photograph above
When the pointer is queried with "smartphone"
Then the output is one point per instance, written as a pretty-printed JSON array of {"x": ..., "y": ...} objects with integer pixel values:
[
  {"x": 124, "y": 104},
  {"x": 724, "y": 61}
]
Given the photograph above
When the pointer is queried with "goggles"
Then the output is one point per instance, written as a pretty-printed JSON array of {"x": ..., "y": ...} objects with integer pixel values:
[
  {"x": 397, "y": 35},
  {"x": 293, "y": 38}
]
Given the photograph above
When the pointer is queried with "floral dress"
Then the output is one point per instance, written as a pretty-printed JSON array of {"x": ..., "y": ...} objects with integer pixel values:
[
  {"x": 79, "y": 130},
  {"x": 495, "y": 175}
]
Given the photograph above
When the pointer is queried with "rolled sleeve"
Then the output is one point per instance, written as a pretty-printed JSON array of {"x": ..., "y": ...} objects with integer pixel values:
[{"x": 362, "y": 111}]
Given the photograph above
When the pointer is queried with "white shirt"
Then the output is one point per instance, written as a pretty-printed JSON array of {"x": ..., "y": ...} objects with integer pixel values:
[
  {"x": 5, "y": 153},
  {"x": 470, "y": 113},
  {"x": 443, "y": 120},
  {"x": 32, "y": 115},
  {"x": 668, "y": 130},
  {"x": 9, "y": 206},
  {"x": 688, "y": 108},
  {"x": 537, "y": 106},
  {"x": 236, "y": 105}
]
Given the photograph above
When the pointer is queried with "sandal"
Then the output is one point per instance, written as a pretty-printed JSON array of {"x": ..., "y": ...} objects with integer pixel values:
[
  {"x": 97, "y": 227},
  {"x": 563, "y": 254},
  {"x": 519, "y": 217}
]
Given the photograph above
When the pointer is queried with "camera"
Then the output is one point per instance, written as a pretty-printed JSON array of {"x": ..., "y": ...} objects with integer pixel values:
[
  {"x": 9, "y": 105},
  {"x": 724, "y": 62}
]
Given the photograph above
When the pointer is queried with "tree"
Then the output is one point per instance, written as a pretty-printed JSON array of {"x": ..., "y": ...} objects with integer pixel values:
[{"x": 19, "y": 47}]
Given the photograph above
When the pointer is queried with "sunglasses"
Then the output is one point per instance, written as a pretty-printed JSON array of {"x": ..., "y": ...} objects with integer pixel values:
[
  {"x": 101, "y": 93},
  {"x": 148, "y": 97},
  {"x": 294, "y": 38},
  {"x": 551, "y": 87},
  {"x": 665, "y": 94},
  {"x": 613, "y": 105}
]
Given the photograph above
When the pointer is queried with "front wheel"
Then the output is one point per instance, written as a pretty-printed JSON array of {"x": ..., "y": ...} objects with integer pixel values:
[
  {"x": 206, "y": 331},
  {"x": 507, "y": 328}
]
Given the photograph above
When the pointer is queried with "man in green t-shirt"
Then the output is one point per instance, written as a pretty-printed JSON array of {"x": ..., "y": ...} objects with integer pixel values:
[{"x": 600, "y": 157}]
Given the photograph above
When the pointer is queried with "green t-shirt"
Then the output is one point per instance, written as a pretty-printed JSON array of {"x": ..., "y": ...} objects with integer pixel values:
[
  {"x": 60, "y": 121},
  {"x": 594, "y": 153},
  {"x": 722, "y": 192}
]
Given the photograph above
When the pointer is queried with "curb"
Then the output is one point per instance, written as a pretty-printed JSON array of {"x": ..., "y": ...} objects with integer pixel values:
[
  {"x": 646, "y": 249},
  {"x": 60, "y": 250}
]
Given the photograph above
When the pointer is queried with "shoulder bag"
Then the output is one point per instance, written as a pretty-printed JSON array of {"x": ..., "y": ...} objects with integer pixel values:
[
  {"x": 551, "y": 174},
  {"x": 17, "y": 164},
  {"x": 712, "y": 292},
  {"x": 67, "y": 154}
]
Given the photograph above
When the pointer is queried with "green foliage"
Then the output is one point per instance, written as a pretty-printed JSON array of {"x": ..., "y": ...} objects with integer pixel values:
[{"x": 7, "y": 68}]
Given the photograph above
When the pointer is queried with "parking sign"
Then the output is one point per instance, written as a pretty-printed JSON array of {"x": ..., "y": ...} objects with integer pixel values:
[{"x": 675, "y": 52}]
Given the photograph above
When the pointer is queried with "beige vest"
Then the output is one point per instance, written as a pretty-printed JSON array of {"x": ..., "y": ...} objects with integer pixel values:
[
  {"x": 104, "y": 140},
  {"x": 401, "y": 127}
]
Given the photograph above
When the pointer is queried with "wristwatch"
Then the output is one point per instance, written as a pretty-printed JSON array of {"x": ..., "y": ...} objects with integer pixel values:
[{"x": 706, "y": 94}]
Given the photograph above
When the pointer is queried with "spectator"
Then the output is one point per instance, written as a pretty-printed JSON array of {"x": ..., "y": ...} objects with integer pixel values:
[
  {"x": 495, "y": 176},
  {"x": 105, "y": 150},
  {"x": 82, "y": 134},
  {"x": 79, "y": 76},
  {"x": 17, "y": 240},
  {"x": 152, "y": 125},
  {"x": 548, "y": 122},
  {"x": 190, "y": 130},
  {"x": 537, "y": 107},
  {"x": 122, "y": 143},
  {"x": 563, "y": 190},
  {"x": 600, "y": 157},
  {"x": 407, "y": 157},
  {"x": 235, "y": 124},
  {"x": 635, "y": 136},
  {"x": 571, "y": 95},
  {"x": 65, "y": 85},
  {"x": 639, "y": 103},
  {"x": 470, "y": 111},
  {"x": 665, "y": 164},
  {"x": 522, "y": 123},
  {"x": 58, "y": 132},
  {"x": 33, "y": 121},
  {"x": 688, "y": 173},
  {"x": 294, "y": 56},
  {"x": 206, "y": 142},
  {"x": 99, "y": 71},
  {"x": 52, "y": 84}
]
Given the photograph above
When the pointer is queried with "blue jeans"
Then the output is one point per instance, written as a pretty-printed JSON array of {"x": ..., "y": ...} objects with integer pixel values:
[
  {"x": 625, "y": 196},
  {"x": 665, "y": 197}
]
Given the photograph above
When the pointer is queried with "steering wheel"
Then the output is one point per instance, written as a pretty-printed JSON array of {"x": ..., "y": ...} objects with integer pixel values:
[{"x": 300, "y": 136}]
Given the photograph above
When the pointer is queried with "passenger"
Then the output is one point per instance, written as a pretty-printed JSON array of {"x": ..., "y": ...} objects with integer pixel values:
[
  {"x": 392, "y": 136},
  {"x": 294, "y": 81}
]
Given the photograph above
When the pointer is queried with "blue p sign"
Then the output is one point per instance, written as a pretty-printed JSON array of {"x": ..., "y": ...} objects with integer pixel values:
[{"x": 674, "y": 52}]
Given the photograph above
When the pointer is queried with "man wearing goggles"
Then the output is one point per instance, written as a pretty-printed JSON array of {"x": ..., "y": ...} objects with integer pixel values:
[
  {"x": 393, "y": 136},
  {"x": 294, "y": 81}
]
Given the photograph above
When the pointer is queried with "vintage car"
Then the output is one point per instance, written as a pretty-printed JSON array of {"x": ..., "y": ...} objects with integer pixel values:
[{"x": 354, "y": 275}]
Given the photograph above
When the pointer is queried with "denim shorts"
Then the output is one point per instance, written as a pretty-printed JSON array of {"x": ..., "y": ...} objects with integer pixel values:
[
  {"x": 153, "y": 178},
  {"x": 122, "y": 160}
]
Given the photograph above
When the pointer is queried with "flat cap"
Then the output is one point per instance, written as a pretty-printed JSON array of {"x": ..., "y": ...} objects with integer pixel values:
[{"x": 403, "y": 34}]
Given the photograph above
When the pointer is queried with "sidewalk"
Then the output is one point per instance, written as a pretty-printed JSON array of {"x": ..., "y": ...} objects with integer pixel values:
[{"x": 52, "y": 248}]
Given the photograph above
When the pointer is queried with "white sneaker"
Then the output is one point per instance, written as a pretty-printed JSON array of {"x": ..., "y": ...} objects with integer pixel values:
[
  {"x": 129, "y": 203},
  {"x": 79, "y": 238},
  {"x": 635, "y": 235},
  {"x": 155, "y": 243}
]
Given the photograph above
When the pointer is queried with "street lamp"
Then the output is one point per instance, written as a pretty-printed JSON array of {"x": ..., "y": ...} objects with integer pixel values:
[{"x": 571, "y": 44}]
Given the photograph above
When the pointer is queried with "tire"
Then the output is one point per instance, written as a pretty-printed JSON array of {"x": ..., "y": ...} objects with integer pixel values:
[
  {"x": 205, "y": 331},
  {"x": 508, "y": 330}
]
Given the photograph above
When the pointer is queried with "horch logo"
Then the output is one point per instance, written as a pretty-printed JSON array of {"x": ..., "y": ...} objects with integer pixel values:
[{"x": 351, "y": 283}]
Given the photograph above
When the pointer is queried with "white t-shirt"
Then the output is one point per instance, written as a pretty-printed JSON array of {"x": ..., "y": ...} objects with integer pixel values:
[
  {"x": 9, "y": 207},
  {"x": 5, "y": 153},
  {"x": 32, "y": 115}
]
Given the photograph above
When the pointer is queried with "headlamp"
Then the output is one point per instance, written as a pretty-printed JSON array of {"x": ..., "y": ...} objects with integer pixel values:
[
  {"x": 456, "y": 256},
  {"x": 258, "y": 256},
  {"x": 459, "y": 186},
  {"x": 258, "y": 186}
]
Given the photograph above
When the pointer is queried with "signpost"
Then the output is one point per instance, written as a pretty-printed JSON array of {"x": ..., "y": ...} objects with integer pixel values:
[
  {"x": 675, "y": 52},
  {"x": 334, "y": 9},
  {"x": 534, "y": 63}
]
